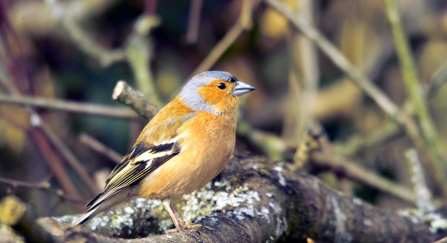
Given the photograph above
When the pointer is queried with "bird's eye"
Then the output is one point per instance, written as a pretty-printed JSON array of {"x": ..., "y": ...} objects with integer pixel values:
[{"x": 221, "y": 86}]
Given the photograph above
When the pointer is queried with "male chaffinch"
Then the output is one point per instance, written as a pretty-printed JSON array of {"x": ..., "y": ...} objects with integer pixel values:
[{"x": 182, "y": 148}]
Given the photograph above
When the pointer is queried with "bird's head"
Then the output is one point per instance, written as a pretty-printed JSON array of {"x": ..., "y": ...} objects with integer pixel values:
[{"x": 213, "y": 92}]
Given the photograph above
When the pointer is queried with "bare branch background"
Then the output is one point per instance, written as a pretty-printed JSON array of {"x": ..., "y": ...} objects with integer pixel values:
[{"x": 368, "y": 75}]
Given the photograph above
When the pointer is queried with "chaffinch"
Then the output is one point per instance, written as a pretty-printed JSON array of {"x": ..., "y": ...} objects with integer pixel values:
[{"x": 182, "y": 148}]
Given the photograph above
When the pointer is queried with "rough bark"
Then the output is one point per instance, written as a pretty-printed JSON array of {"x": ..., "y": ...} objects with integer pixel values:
[{"x": 252, "y": 200}]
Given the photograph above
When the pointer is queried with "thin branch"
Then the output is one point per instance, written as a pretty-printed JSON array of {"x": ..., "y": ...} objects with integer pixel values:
[
  {"x": 243, "y": 23},
  {"x": 303, "y": 79},
  {"x": 362, "y": 81},
  {"x": 423, "y": 194},
  {"x": 272, "y": 145},
  {"x": 100, "y": 148},
  {"x": 134, "y": 99},
  {"x": 81, "y": 38},
  {"x": 40, "y": 21},
  {"x": 194, "y": 21},
  {"x": 139, "y": 54},
  {"x": 71, "y": 159},
  {"x": 41, "y": 141},
  {"x": 426, "y": 207},
  {"x": 309, "y": 68},
  {"x": 36, "y": 121},
  {"x": 39, "y": 131},
  {"x": 437, "y": 80},
  {"x": 43, "y": 185},
  {"x": 416, "y": 95},
  {"x": 61, "y": 105},
  {"x": 357, "y": 173},
  {"x": 337, "y": 58},
  {"x": 54, "y": 162},
  {"x": 359, "y": 142}
]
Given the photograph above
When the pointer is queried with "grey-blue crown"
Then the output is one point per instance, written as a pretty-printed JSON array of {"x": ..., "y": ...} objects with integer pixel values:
[
  {"x": 189, "y": 92},
  {"x": 209, "y": 76}
]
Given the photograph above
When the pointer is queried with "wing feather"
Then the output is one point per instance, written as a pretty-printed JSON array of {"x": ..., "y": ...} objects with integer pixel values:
[{"x": 143, "y": 158}]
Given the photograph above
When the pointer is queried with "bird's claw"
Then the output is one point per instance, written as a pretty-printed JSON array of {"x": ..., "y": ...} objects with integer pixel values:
[
  {"x": 189, "y": 229},
  {"x": 190, "y": 226}
]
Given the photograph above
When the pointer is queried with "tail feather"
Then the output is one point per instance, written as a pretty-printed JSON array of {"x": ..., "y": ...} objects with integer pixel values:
[
  {"x": 84, "y": 218},
  {"x": 101, "y": 203}
]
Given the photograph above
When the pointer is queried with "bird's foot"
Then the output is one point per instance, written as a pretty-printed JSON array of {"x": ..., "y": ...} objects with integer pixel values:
[
  {"x": 189, "y": 229},
  {"x": 190, "y": 226}
]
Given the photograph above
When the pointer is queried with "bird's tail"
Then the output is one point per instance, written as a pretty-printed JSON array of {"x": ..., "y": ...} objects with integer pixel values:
[
  {"x": 101, "y": 203},
  {"x": 84, "y": 218}
]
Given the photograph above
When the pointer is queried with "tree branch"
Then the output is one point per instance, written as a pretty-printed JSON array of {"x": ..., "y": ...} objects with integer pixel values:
[
  {"x": 81, "y": 38},
  {"x": 382, "y": 100},
  {"x": 61, "y": 105},
  {"x": 253, "y": 200},
  {"x": 357, "y": 173},
  {"x": 243, "y": 23},
  {"x": 134, "y": 99},
  {"x": 416, "y": 95},
  {"x": 100, "y": 148},
  {"x": 43, "y": 185}
]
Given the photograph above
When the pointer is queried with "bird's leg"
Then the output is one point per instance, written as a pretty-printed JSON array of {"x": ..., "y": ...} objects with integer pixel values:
[{"x": 180, "y": 225}]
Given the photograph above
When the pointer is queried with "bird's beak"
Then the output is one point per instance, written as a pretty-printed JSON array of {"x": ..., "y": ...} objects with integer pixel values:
[{"x": 242, "y": 88}]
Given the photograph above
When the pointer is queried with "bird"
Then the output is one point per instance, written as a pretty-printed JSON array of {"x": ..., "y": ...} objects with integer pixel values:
[{"x": 183, "y": 147}]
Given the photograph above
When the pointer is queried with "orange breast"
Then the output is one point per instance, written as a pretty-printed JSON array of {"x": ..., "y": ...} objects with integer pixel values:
[{"x": 206, "y": 146}]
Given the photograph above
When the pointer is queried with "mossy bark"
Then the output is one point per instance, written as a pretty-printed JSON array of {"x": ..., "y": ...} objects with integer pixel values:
[{"x": 252, "y": 200}]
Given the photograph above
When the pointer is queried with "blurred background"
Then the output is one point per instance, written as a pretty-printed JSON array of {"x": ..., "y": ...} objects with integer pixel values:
[{"x": 77, "y": 51}]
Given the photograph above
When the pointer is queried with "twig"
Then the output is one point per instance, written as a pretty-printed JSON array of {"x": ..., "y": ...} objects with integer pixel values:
[
  {"x": 47, "y": 152},
  {"x": 416, "y": 94},
  {"x": 272, "y": 145},
  {"x": 219, "y": 49},
  {"x": 42, "y": 142},
  {"x": 424, "y": 201},
  {"x": 304, "y": 76},
  {"x": 54, "y": 162},
  {"x": 78, "y": 107},
  {"x": 337, "y": 58},
  {"x": 361, "y": 80},
  {"x": 423, "y": 195},
  {"x": 139, "y": 53},
  {"x": 43, "y": 185},
  {"x": 311, "y": 140},
  {"x": 360, "y": 142},
  {"x": 40, "y": 21},
  {"x": 309, "y": 68},
  {"x": 134, "y": 99},
  {"x": 100, "y": 148},
  {"x": 193, "y": 21},
  {"x": 355, "y": 172},
  {"x": 243, "y": 23},
  {"x": 71, "y": 159},
  {"x": 437, "y": 80},
  {"x": 81, "y": 38}
]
